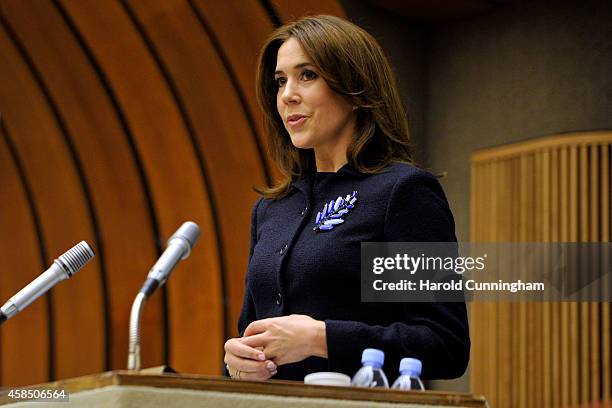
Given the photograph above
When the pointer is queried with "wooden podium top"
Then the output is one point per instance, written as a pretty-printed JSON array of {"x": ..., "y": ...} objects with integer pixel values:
[{"x": 266, "y": 388}]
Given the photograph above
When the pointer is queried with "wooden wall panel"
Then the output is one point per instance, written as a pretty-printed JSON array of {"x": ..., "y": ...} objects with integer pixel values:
[
  {"x": 218, "y": 123},
  {"x": 65, "y": 216},
  {"x": 26, "y": 338},
  {"x": 238, "y": 49},
  {"x": 574, "y": 351},
  {"x": 554, "y": 189},
  {"x": 523, "y": 225},
  {"x": 290, "y": 10},
  {"x": 593, "y": 236},
  {"x": 606, "y": 317},
  {"x": 556, "y": 308},
  {"x": 565, "y": 307},
  {"x": 492, "y": 323},
  {"x": 503, "y": 308},
  {"x": 545, "y": 211},
  {"x": 126, "y": 227},
  {"x": 584, "y": 335},
  {"x": 128, "y": 118},
  {"x": 179, "y": 188}
]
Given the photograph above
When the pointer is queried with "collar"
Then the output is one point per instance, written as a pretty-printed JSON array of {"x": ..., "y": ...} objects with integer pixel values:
[{"x": 304, "y": 183}]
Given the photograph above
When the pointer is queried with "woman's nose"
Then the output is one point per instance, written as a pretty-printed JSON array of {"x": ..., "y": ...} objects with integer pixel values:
[{"x": 290, "y": 93}]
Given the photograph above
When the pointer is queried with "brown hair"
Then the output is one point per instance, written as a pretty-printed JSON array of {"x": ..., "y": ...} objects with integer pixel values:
[{"x": 352, "y": 64}]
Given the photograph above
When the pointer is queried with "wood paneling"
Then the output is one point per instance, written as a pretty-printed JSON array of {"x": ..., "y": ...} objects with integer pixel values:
[
  {"x": 218, "y": 122},
  {"x": 238, "y": 49},
  {"x": 43, "y": 145},
  {"x": 606, "y": 317},
  {"x": 100, "y": 142},
  {"x": 553, "y": 189},
  {"x": 179, "y": 188},
  {"x": 27, "y": 338},
  {"x": 291, "y": 10},
  {"x": 129, "y": 117}
]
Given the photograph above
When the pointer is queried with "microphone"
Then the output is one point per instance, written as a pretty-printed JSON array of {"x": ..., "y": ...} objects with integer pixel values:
[
  {"x": 62, "y": 268},
  {"x": 179, "y": 248}
]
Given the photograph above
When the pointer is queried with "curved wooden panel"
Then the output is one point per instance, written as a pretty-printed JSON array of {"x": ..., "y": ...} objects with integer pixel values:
[
  {"x": 130, "y": 117},
  {"x": 77, "y": 304},
  {"x": 125, "y": 229},
  {"x": 290, "y": 10},
  {"x": 24, "y": 340},
  {"x": 238, "y": 30},
  {"x": 171, "y": 165},
  {"x": 227, "y": 144}
]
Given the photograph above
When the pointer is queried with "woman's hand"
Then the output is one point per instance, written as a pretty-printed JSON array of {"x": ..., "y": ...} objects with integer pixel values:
[
  {"x": 287, "y": 339},
  {"x": 246, "y": 362}
]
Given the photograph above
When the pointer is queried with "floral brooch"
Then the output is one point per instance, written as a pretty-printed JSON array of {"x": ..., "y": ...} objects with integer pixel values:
[{"x": 334, "y": 211}]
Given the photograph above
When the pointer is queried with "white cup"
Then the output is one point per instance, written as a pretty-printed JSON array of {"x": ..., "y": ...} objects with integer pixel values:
[{"x": 328, "y": 378}]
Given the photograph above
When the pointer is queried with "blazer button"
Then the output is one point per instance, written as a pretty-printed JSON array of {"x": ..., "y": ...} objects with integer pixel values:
[
  {"x": 283, "y": 249},
  {"x": 279, "y": 299}
]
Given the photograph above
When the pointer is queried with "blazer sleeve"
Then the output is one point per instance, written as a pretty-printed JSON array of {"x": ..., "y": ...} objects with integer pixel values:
[
  {"x": 247, "y": 313},
  {"x": 435, "y": 333}
]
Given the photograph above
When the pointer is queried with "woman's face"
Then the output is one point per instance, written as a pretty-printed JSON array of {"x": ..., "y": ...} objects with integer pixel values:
[{"x": 314, "y": 115}]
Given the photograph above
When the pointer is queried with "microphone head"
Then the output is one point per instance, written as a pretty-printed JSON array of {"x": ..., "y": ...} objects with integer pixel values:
[
  {"x": 189, "y": 232},
  {"x": 75, "y": 258}
]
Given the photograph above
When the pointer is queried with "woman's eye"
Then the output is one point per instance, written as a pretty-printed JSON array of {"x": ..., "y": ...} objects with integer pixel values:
[
  {"x": 280, "y": 82},
  {"x": 309, "y": 75}
]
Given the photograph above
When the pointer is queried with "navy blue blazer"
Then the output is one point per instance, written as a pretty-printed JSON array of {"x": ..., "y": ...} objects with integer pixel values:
[{"x": 296, "y": 270}]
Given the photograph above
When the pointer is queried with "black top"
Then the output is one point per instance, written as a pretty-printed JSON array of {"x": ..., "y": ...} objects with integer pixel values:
[{"x": 296, "y": 270}]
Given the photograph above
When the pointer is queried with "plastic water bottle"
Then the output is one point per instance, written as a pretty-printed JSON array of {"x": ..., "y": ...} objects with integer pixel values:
[
  {"x": 410, "y": 371},
  {"x": 371, "y": 373}
]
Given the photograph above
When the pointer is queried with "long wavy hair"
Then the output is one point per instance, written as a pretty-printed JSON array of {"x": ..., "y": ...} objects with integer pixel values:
[{"x": 353, "y": 64}]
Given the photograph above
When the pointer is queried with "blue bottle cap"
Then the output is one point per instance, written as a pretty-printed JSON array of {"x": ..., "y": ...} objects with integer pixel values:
[
  {"x": 373, "y": 356},
  {"x": 411, "y": 366}
]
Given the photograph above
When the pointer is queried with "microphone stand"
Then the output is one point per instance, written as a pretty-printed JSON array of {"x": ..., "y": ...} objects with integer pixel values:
[
  {"x": 134, "y": 337},
  {"x": 179, "y": 247}
]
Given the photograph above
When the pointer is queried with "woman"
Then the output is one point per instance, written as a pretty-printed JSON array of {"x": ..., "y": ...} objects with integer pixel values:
[{"x": 338, "y": 132}]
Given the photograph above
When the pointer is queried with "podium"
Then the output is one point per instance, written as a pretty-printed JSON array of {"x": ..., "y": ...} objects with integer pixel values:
[{"x": 135, "y": 389}]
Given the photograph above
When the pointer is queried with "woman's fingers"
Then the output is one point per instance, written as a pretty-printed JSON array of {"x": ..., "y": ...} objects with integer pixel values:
[
  {"x": 236, "y": 347},
  {"x": 247, "y": 365},
  {"x": 255, "y": 341},
  {"x": 257, "y": 326},
  {"x": 257, "y": 376},
  {"x": 262, "y": 374},
  {"x": 249, "y": 361}
]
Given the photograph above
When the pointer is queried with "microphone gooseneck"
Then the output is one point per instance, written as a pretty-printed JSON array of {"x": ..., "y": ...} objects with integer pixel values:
[{"x": 179, "y": 247}]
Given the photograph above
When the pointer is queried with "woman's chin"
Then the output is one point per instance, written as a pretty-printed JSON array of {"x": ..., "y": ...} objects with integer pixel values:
[{"x": 301, "y": 142}]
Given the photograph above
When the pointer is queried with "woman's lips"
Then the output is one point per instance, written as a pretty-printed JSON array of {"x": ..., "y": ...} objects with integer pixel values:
[{"x": 295, "y": 123}]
